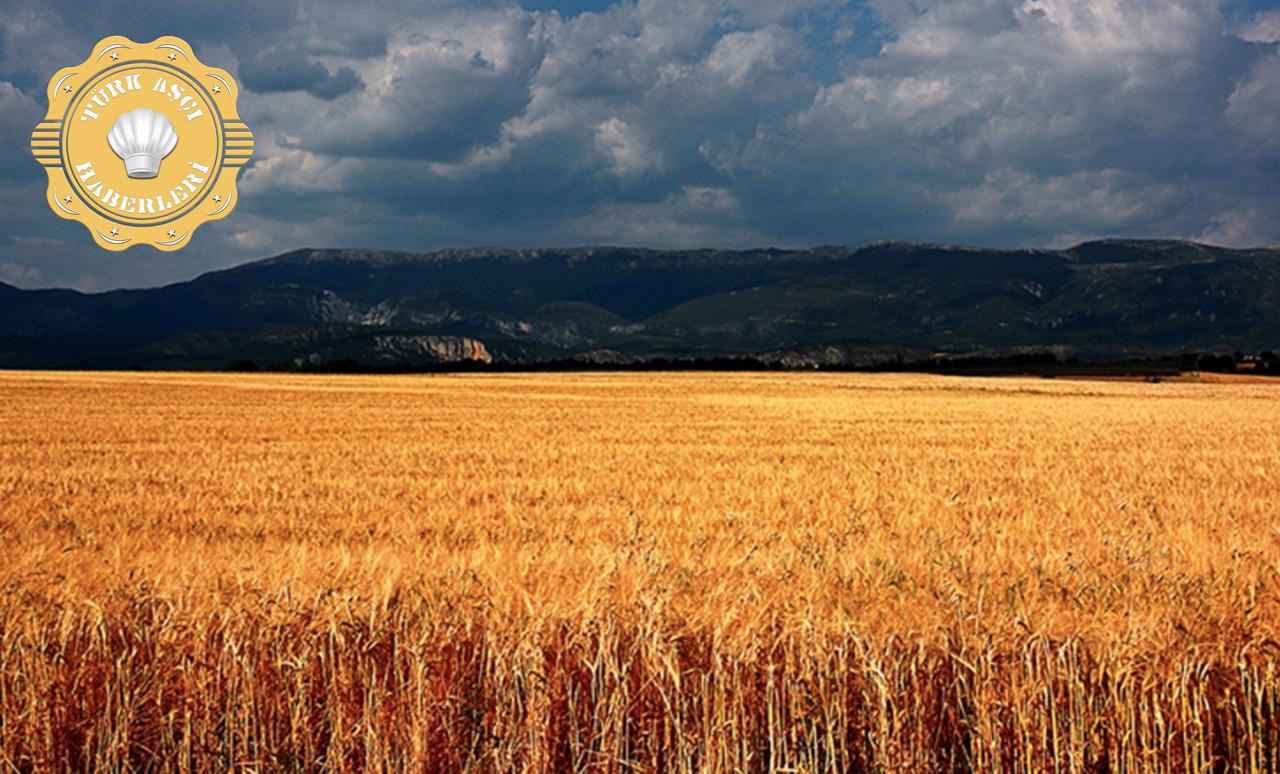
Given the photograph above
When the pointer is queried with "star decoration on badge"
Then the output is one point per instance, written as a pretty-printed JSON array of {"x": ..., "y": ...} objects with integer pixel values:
[{"x": 141, "y": 135}]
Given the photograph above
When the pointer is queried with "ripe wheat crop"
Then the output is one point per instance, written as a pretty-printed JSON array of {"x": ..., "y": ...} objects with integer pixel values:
[{"x": 637, "y": 572}]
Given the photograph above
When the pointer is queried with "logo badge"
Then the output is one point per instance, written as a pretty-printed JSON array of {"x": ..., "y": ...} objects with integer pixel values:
[{"x": 142, "y": 143}]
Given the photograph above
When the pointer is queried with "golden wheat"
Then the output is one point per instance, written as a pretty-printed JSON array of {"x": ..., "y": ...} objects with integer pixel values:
[{"x": 637, "y": 572}]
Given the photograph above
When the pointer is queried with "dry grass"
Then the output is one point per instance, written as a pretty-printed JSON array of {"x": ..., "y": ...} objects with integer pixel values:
[{"x": 681, "y": 573}]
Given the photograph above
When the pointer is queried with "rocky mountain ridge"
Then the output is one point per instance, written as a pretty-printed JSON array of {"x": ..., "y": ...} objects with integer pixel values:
[{"x": 831, "y": 304}]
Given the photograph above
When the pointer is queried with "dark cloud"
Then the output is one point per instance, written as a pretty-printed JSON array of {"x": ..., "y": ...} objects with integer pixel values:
[
  {"x": 282, "y": 71},
  {"x": 344, "y": 80},
  {"x": 691, "y": 122},
  {"x": 293, "y": 70}
]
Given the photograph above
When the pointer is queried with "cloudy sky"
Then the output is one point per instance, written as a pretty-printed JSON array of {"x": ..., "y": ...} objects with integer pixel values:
[{"x": 732, "y": 123}]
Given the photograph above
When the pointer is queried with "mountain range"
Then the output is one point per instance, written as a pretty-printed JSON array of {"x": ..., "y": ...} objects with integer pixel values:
[{"x": 826, "y": 305}]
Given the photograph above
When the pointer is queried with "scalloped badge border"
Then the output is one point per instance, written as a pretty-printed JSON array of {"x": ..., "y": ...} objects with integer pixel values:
[{"x": 219, "y": 91}]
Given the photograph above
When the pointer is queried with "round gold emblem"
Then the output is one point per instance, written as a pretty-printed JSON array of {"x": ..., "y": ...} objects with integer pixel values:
[{"x": 142, "y": 143}]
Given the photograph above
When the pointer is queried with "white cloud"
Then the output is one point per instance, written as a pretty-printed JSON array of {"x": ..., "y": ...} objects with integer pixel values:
[
  {"x": 709, "y": 199},
  {"x": 741, "y": 57},
  {"x": 1243, "y": 227},
  {"x": 1262, "y": 28},
  {"x": 1109, "y": 199},
  {"x": 627, "y": 154},
  {"x": 287, "y": 169},
  {"x": 1254, "y": 108},
  {"x": 670, "y": 222},
  {"x": 18, "y": 116},
  {"x": 17, "y": 274},
  {"x": 1102, "y": 28}
]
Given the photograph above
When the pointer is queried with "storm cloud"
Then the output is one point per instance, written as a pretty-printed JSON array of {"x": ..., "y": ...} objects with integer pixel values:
[{"x": 689, "y": 123}]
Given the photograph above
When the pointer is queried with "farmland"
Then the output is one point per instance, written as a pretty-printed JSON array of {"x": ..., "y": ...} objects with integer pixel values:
[{"x": 637, "y": 572}]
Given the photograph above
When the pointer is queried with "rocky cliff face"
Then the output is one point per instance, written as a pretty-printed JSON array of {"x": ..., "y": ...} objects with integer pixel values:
[{"x": 409, "y": 348}]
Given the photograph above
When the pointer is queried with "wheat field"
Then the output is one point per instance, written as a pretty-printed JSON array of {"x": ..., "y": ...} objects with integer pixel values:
[{"x": 637, "y": 572}]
